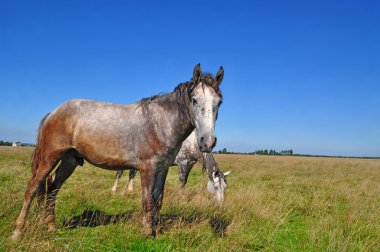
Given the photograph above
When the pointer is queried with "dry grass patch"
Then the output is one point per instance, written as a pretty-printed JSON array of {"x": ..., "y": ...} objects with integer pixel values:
[{"x": 272, "y": 204}]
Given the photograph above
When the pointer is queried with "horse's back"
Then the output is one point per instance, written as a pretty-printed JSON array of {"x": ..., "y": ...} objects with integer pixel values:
[{"x": 101, "y": 132}]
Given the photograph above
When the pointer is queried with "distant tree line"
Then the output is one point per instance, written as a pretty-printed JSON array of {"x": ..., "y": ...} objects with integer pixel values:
[
  {"x": 5, "y": 143},
  {"x": 284, "y": 153},
  {"x": 223, "y": 151},
  {"x": 274, "y": 152},
  {"x": 258, "y": 152},
  {"x": 2, "y": 143}
]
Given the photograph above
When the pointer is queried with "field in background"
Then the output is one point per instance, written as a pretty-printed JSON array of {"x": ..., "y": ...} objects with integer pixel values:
[{"x": 272, "y": 204}]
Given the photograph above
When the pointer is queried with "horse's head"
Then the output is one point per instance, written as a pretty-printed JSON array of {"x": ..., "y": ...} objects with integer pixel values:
[
  {"x": 205, "y": 101},
  {"x": 217, "y": 184}
]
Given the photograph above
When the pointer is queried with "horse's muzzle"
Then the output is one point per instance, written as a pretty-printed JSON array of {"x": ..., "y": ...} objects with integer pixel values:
[{"x": 207, "y": 143}]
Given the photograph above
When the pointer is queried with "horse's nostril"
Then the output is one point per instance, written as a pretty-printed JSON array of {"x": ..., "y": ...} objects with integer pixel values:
[
  {"x": 213, "y": 145},
  {"x": 202, "y": 139}
]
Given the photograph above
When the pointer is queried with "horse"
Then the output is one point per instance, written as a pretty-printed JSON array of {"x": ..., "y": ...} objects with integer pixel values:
[
  {"x": 188, "y": 155},
  {"x": 145, "y": 135}
]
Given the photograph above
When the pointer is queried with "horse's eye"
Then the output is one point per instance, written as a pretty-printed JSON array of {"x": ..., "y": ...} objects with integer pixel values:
[{"x": 194, "y": 101}]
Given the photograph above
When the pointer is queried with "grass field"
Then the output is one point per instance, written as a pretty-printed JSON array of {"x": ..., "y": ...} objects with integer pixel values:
[{"x": 272, "y": 204}]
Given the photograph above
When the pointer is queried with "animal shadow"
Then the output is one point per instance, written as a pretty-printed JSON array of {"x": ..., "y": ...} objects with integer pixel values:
[
  {"x": 219, "y": 225},
  {"x": 169, "y": 221},
  {"x": 94, "y": 218}
]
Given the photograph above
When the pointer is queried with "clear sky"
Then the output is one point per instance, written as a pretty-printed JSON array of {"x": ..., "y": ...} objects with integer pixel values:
[{"x": 301, "y": 75}]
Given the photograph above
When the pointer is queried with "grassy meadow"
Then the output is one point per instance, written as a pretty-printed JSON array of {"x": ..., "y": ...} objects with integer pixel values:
[{"x": 272, "y": 204}]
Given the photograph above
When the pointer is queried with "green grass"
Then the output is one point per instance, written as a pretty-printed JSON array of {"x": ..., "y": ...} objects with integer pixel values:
[{"x": 272, "y": 204}]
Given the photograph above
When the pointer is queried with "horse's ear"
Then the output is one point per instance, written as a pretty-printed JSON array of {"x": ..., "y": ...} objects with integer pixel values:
[
  {"x": 197, "y": 73},
  {"x": 219, "y": 76},
  {"x": 226, "y": 173}
]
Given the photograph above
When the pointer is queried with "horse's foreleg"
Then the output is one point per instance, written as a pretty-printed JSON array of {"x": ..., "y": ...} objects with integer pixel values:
[
  {"x": 132, "y": 174},
  {"x": 158, "y": 194},
  {"x": 44, "y": 168},
  {"x": 63, "y": 172},
  {"x": 147, "y": 182},
  {"x": 119, "y": 173},
  {"x": 184, "y": 171}
]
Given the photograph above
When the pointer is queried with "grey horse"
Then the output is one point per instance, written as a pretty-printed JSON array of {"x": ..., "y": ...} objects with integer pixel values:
[
  {"x": 188, "y": 155},
  {"x": 146, "y": 135}
]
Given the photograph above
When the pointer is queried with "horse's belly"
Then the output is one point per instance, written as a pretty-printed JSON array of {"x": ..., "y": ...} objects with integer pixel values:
[
  {"x": 112, "y": 158},
  {"x": 113, "y": 167}
]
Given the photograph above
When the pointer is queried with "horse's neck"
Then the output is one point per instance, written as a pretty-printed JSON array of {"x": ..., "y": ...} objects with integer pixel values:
[
  {"x": 192, "y": 144},
  {"x": 178, "y": 117},
  {"x": 209, "y": 164}
]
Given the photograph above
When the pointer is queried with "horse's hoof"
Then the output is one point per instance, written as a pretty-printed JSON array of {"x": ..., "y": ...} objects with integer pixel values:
[
  {"x": 148, "y": 233},
  {"x": 130, "y": 189},
  {"x": 52, "y": 228},
  {"x": 16, "y": 235},
  {"x": 159, "y": 230}
]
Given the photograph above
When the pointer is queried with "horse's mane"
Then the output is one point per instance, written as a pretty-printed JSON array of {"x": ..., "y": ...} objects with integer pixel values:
[
  {"x": 209, "y": 80},
  {"x": 183, "y": 90}
]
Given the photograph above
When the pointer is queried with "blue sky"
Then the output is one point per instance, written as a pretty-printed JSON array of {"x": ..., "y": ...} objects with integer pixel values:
[{"x": 301, "y": 75}]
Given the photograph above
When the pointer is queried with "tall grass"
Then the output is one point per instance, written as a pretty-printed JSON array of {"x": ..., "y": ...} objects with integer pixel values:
[{"x": 271, "y": 204}]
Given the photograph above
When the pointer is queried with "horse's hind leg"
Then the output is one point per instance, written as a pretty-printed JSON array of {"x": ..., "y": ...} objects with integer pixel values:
[
  {"x": 119, "y": 173},
  {"x": 45, "y": 166},
  {"x": 70, "y": 161},
  {"x": 41, "y": 193},
  {"x": 132, "y": 175}
]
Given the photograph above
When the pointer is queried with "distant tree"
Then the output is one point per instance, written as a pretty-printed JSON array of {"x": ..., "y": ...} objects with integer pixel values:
[
  {"x": 5, "y": 143},
  {"x": 224, "y": 150}
]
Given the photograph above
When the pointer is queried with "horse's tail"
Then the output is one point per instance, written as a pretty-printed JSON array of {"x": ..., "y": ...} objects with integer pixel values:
[{"x": 36, "y": 159}]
